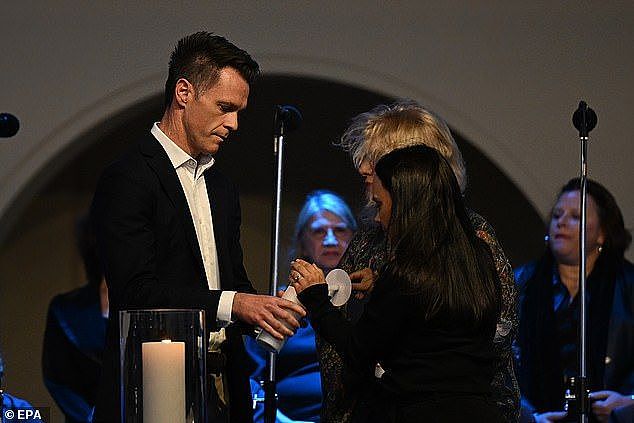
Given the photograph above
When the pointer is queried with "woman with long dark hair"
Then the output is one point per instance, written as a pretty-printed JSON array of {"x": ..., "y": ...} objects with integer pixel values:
[
  {"x": 432, "y": 316},
  {"x": 370, "y": 136},
  {"x": 547, "y": 345}
]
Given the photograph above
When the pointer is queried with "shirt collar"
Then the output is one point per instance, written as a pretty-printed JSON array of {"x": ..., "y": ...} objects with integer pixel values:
[{"x": 178, "y": 157}]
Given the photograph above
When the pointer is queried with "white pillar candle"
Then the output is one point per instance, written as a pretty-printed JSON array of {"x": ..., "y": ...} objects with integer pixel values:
[{"x": 163, "y": 382}]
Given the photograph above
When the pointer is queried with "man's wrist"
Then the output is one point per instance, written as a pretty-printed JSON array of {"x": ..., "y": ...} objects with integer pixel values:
[{"x": 225, "y": 307}]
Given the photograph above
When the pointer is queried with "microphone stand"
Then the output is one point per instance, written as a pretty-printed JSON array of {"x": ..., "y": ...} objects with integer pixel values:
[
  {"x": 584, "y": 119},
  {"x": 287, "y": 118}
]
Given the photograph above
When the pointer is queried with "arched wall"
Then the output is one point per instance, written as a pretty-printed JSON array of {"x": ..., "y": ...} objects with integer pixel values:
[
  {"x": 48, "y": 153},
  {"x": 506, "y": 74}
]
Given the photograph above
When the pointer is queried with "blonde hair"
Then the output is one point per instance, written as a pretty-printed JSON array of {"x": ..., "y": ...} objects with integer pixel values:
[{"x": 385, "y": 128}]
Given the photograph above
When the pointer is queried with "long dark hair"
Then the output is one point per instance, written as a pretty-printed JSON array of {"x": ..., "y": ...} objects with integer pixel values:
[{"x": 434, "y": 250}]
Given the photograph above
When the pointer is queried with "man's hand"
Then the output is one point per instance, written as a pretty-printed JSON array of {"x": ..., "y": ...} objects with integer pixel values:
[
  {"x": 363, "y": 282},
  {"x": 274, "y": 315},
  {"x": 606, "y": 401},
  {"x": 550, "y": 416}
]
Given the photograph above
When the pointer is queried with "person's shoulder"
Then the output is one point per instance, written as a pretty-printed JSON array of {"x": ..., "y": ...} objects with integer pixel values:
[
  {"x": 484, "y": 230},
  {"x": 625, "y": 283},
  {"x": 628, "y": 272},
  {"x": 129, "y": 161},
  {"x": 131, "y": 167},
  {"x": 369, "y": 230},
  {"x": 79, "y": 295},
  {"x": 476, "y": 219},
  {"x": 369, "y": 238},
  {"x": 524, "y": 272}
]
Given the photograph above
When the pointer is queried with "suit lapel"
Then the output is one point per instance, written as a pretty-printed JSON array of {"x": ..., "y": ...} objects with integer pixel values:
[{"x": 159, "y": 162}]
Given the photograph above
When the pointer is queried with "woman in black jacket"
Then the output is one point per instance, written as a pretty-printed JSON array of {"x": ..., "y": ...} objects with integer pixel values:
[
  {"x": 432, "y": 316},
  {"x": 547, "y": 345}
]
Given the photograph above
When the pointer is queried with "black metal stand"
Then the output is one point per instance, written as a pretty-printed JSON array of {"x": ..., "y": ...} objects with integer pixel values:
[
  {"x": 287, "y": 118},
  {"x": 584, "y": 119}
]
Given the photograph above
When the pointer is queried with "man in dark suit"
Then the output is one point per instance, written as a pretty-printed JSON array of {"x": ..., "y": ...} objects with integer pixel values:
[{"x": 168, "y": 223}]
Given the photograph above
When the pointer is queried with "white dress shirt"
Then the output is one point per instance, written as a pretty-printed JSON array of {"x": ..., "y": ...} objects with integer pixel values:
[{"x": 191, "y": 176}]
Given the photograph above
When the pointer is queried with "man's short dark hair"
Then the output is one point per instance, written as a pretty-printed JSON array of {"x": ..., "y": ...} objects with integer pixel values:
[{"x": 200, "y": 57}]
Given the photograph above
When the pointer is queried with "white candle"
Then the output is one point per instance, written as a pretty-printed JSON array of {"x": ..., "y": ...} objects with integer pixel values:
[{"x": 163, "y": 382}]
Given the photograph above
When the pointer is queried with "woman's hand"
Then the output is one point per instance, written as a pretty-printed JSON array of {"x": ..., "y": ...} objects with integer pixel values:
[
  {"x": 363, "y": 282},
  {"x": 304, "y": 274},
  {"x": 606, "y": 401}
]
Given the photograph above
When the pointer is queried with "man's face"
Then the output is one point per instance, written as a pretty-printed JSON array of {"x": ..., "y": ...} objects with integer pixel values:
[
  {"x": 325, "y": 239},
  {"x": 209, "y": 117}
]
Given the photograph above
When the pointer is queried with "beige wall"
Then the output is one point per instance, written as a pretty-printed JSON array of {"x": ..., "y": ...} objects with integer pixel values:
[{"x": 506, "y": 74}]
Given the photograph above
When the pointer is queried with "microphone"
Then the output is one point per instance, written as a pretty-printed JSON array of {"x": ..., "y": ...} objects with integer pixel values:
[
  {"x": 584, "y": 119},
  {"x": 9, "y": 125},
  {"x": 287, "y": 119}
]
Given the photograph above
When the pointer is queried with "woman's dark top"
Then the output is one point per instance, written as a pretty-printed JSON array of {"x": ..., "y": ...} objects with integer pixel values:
[
  {"x": 421, "y": 358},
  {"x": 342, "y": 390},
  {"x": 567, "y": 312},
  {"x": 546, "y": 349}
]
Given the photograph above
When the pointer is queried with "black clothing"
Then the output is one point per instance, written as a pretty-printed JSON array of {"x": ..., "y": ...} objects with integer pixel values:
[
  {"x": 421, "y": 359},
  {"x": 152, "y": 259},
  {"x": 341, "y": 390},
  {"x": 567, "y": 312},
  {"x": 610, "y": 297}
]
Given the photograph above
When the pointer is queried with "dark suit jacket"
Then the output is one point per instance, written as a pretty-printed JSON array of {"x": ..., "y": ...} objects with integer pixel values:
[{"x": 147, "y": 241}]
